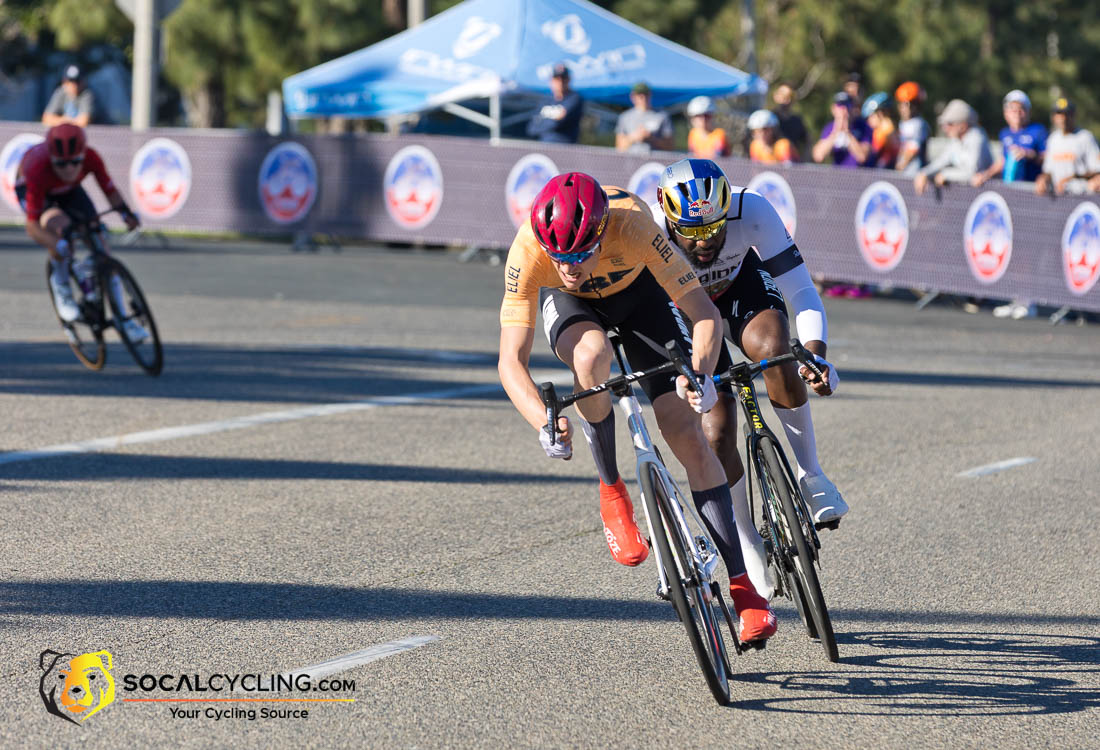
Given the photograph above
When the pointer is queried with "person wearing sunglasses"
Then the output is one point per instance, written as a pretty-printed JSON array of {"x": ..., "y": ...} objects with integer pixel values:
[
  {"x": 750, "y": 266},
  {"x": 47, "y": 184},
  {"x": 592, "y": 258}
]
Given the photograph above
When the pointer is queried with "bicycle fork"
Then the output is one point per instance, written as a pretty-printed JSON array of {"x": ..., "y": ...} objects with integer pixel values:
[{"x": 705, "y": 555}]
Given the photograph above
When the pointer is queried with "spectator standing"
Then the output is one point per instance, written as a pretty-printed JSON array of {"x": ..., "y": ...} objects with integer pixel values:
[
  {"x": 791, "y": 125},
  {"x": 641, "y": 129},
  {"x": 72, "y": 102},
  {"x": 767, "y": 145},
  {"x": 1020, "y": 158},
  {"x": 1072, "y": 161},
  {"x": 967, "y": 153},
  {"x": 913, "y": 131},
  {"x": 884, "y": 134},
  {"x": 847, "y": 138},
  {"x": 853, "y": 86},
  {"x": 704, "y": 140},
  {"x": 558, "y": 120}
]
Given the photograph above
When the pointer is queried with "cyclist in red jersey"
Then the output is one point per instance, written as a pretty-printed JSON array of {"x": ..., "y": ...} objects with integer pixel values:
[{"x": 48, "y": 186}]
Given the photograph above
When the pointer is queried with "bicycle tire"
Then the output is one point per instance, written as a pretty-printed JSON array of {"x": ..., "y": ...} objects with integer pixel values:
[
  {"x": 148, "y": 354},
  {"x": 802, "y": 572},
  {"x": 84, "y": 335},
  {"x": 691, "y": 605}
]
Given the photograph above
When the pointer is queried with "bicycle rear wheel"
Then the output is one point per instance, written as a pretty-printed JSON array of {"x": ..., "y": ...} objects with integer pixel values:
[
  {"x": 687, "y": 592},
  {"x": 799, "y": 568},
  {"x": 146, "y": 351},
  {"x": 85, "y": 334}
]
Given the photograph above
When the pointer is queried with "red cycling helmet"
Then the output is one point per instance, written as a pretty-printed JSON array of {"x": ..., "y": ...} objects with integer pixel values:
[
  {"x": 569, "y": 216},
  {"x": 66, "y": 141}
]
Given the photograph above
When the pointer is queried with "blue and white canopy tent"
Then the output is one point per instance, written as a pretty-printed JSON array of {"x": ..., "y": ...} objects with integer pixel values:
[{"x": 489, "y": 48}]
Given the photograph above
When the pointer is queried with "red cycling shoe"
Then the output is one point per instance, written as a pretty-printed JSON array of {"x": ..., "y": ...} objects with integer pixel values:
[
  {"x": 626, "y": 543},
  {"x": 758, "y": 622}
]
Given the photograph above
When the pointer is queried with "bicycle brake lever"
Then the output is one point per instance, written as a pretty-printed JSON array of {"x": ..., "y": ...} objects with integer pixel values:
[
  {"x": 807, "y": 358},
  {"x": 550, "y": 400},
  {"x": 677, "y": 356}
]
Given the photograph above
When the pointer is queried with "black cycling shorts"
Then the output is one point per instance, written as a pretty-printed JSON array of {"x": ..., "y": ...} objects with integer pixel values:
[
  {"x": 752, "y": 291},
  {"x": 643, "y": 309},
  {"x": 75, "y": 203}
]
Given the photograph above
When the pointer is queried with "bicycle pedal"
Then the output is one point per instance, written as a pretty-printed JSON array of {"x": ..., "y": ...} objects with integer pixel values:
[
  {"x": 832, "y": 525},
  {"x": 754, "y": 645}
]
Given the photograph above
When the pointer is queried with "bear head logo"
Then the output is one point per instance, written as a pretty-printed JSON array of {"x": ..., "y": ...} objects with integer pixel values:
[{"x": 75, "y": 687}]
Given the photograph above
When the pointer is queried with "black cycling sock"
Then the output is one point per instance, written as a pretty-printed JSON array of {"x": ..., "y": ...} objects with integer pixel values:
[
  {"x": 601, "y": 439},
  {"x": 716, "y": 507}
]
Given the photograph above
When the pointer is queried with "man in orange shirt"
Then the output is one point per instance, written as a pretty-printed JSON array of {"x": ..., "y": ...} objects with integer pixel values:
[
  {"x": 592, "y": 259},
  {"x": 704, "y": 140},
  {"x": 766, "y": 145}
]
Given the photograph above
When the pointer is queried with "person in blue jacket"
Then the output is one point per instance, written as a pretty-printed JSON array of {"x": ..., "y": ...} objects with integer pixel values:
[{"x": 559, "y": 120}]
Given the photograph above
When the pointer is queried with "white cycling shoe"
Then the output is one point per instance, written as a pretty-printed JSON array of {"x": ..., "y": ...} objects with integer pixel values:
[
  {"x": 134, "y": 331},
  {"x": 823, "y": 497},
  {"x": 63, "y": 298}
]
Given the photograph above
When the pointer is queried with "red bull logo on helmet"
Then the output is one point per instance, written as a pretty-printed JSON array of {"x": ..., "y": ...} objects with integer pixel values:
[
  {"x": 413, "y": 187},
  {"x": 9, "y": 165},
  {"x": 529, "y": 175},
  {"x": 700, "y": 209},
  {"x": 1081, "y": 248},
  {"x": 882, "y": 226},
  {"x": 987, "y": 237},
  {"x": 288, "y": 183},
  {"x": 160, "y": 178},
  {"x": 778, "y": 193}
]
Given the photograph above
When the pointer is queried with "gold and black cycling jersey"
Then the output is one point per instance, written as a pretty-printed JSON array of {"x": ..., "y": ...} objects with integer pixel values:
[{"x": 631, "y": 242}]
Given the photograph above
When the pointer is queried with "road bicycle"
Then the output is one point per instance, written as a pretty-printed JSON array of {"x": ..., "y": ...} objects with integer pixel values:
[
  {"x": 790, "y": 536},
  {"x": 687, "y": 559},
  {"x": 101, "y": 277}
]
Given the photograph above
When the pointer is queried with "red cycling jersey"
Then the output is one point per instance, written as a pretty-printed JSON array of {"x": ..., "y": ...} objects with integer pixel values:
[{"x": 37, "y": 173}]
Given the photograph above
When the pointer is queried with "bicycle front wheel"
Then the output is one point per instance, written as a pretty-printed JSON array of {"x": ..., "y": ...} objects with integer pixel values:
[
  {"x": 85, "y": 334},
  {"x": 687, "y": 591},
  {"x": 799, "y": 567},
  {"x": 128, "y": 305}
]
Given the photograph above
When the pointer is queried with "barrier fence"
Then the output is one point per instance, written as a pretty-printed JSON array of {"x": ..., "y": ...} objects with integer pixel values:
[{"x": 856, "y": 226}]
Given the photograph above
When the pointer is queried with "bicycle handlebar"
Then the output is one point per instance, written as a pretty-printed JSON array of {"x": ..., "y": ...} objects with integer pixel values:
[
  {"x": 554, "y": 404},
  {"x": 92, "y": 221},
  {"x": 743, "y": 371}
]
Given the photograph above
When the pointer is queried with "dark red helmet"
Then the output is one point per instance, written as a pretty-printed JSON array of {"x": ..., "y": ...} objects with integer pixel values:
[
  {"x": 569, "y": 216},
  {"x": 66, "y": 141}
]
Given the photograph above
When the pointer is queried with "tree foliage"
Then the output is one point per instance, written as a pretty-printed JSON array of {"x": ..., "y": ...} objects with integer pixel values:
[{"x": 225, "y": 55}]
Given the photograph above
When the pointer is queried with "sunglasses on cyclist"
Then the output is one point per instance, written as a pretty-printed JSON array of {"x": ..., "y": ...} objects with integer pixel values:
[
  {"x": 75, "y": 161},
  {"x": 575, "y": 259},
  {"x": 704, "y": 232}
]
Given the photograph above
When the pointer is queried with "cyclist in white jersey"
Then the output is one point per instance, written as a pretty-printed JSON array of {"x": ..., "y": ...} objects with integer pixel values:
[{"x": 748, "y": 263}]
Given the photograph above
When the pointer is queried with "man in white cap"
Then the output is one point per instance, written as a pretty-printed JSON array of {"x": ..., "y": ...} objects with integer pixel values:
[
  {"x": 967, "y": 154},
  {"x": 704, "y": 140},
  {"x": 1020, "y": 158},
  {"x": 71, "y": 102}
]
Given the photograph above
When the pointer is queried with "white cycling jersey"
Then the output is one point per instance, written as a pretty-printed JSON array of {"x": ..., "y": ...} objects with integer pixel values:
[{"x": 752, "y": 224}]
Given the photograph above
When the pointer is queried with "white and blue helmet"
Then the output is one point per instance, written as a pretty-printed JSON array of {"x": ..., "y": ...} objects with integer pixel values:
[{"x": 694, "y": 192}]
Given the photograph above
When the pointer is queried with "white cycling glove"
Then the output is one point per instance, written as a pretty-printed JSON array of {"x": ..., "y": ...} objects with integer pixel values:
[
  {"x": 832, "y": 377},
  {"x": 708, "y": 398},
  {"x": 558, "y": 450}
]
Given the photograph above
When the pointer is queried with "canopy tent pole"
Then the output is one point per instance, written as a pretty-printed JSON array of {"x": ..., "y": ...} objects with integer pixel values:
[{"x": 494, "y": 115}]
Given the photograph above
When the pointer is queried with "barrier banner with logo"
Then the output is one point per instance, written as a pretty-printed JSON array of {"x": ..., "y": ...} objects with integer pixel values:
[{"x": 853, "y": 225}]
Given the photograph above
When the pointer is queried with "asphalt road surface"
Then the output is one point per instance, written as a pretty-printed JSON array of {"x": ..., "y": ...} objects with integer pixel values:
[{"x": 328, "y": 467}]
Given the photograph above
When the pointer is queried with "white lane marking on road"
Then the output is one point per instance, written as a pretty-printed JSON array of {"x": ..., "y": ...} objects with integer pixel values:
[
  {"x": 359, "y": 658},
  {"x": 348, "y": 661},
  {"x": 1009, "y": 463},
  {"x": 256, "y": 420}
]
